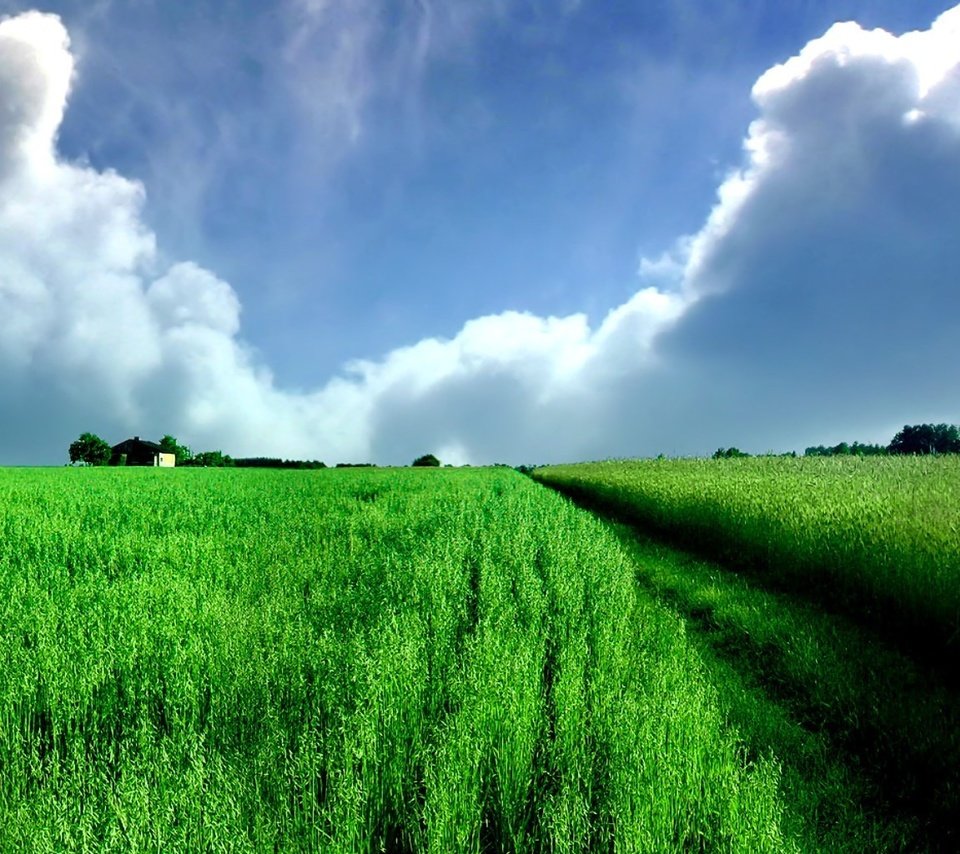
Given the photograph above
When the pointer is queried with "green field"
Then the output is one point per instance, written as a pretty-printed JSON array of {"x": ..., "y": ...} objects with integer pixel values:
[
  {"x": 349, "y": 661},
  {"x": 829, "y": 587},
  {"x": 878, "y": 538},
  {"x": 456, "y": 660}
]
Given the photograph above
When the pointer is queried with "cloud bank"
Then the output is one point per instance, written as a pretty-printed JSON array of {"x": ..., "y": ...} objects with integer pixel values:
[{"x": 819, "y": 299}]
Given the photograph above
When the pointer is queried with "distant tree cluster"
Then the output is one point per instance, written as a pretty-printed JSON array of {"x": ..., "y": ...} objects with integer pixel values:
[
  {"x": 857, "y": 449},
  {"x": 927, "y": 439},
  {"x": 355, "y": 465},
  {"x": 186, "y": 457},
  {"x": 276, "y": 463},
  {"x": 729, "y": 453},
  {"x": 170, "y": 445},
  {"x": 210, "y": 459},
  {"x": 912, "y": 439}
]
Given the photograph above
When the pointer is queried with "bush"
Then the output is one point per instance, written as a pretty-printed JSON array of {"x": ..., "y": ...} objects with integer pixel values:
[{"x": 427, "y": 460}]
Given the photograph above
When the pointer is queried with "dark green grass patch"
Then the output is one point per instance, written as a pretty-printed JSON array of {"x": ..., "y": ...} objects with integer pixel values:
[{"x": 870, "y": 743}]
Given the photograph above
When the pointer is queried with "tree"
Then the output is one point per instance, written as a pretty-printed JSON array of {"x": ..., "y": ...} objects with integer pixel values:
[
  {"x": 427, "y": 460},
  {"x": 926, "y": 439},
  {"x": 90, "y": 450},
  {"x": 170, "y": 445}
]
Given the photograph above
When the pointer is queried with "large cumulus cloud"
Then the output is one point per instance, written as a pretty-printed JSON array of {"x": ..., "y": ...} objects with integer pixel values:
[
  {"x": 820, "y": 297},
  {"x": 827, "y": 278},
  {"x": 93, "y": 333},
  {"x": 819, "y": 301}
]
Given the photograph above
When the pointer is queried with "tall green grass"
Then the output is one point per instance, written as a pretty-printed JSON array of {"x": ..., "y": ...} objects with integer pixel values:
[
  {"x": 870, "y": 743},
  {"x": 348, "y": 661},
  {"x": 878, "y": 538}
]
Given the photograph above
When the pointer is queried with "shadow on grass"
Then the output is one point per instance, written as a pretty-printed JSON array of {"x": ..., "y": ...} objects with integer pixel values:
[
  {"x": 931, "y": 644},
  {"x": 869, "y": 737}
]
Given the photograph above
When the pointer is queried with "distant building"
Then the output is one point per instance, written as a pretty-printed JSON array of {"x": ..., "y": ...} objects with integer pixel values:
[{"x": 139, "y": 452}]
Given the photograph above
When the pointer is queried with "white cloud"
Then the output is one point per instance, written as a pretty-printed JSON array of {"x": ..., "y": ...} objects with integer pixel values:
[
  {"x": 90, "y": 316},
  {"x": 34, "y": 54},
  {"x": 341, "y": 56},
  {"x": 85, "y": 321},
  {"x": 821, "y": 290},
  {"x": 827, "y": 270},
  {"x": 329, "y": 62},
  {"x": 189, "y": 295},
  {"x": 820, "y": 295}
]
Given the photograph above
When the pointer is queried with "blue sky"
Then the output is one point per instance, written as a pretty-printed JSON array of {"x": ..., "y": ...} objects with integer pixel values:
[{"x": 370, "y": 177}]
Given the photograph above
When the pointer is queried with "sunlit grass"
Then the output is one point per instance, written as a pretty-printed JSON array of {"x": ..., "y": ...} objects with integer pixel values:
[{"x": 348, "y": 661}]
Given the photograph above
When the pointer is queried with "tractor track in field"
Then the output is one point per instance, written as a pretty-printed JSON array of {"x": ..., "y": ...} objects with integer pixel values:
[{"x": 849, "y": 714}]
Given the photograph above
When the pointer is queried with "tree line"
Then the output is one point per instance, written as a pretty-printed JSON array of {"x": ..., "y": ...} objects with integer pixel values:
[
  {"x": 90, "y": 449},
  {"x": 916, "y": 439}
]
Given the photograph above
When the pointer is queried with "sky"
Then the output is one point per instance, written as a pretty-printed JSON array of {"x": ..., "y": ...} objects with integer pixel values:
[{"x": 514, "y": 231}]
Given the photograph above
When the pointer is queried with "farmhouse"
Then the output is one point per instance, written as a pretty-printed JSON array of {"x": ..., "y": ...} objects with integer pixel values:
[{"x": 139, "y": 452}]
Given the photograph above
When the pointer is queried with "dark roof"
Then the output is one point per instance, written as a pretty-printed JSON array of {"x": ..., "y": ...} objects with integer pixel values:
[{"x": 136, "y": 443}]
